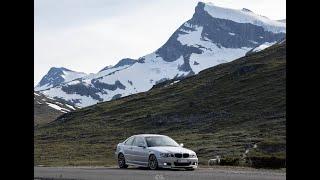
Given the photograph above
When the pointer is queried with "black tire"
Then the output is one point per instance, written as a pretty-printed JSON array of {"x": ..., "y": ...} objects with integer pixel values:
[
  {"x": 122, "y": 161},
  {"x": 153, "y": 162}
]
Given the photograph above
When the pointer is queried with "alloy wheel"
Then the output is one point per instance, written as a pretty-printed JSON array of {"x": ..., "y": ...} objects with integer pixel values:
[
  {"x": 121, "y": 161},
  {"x": 153, "y": 163}
]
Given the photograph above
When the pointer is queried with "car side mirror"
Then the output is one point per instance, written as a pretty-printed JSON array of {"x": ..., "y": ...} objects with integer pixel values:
[
  {"x": 141, "y": 145},
  {"x": 181, "y": 144}
]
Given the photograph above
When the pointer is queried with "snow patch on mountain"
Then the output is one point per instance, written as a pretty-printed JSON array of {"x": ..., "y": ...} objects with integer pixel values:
[
  {"x": 54, "y": 106},
  {"x": 71, "y": 107},
  {"x": 192, "y": 36},
  {"x": 263, "y": 46},
  {"x": 245, "y": 16}
]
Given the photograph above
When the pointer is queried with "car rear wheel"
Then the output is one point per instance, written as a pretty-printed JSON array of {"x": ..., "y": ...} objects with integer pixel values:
[
  {"x": 122, "y": 161},
  {"x": 153, "y": 163}
]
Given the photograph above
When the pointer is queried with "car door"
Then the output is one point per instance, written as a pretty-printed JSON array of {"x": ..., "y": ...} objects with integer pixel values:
[
  {"x": 128, "y": 149},
  {"x": 140, "y": 151}
]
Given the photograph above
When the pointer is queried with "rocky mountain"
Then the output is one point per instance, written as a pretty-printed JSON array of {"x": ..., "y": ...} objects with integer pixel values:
[
  {"x": 56, "y": 76},
  {"x": 236, "y": 110},
  {"x": 47, "y": 110},
  {"x": 214, "y": 35}
]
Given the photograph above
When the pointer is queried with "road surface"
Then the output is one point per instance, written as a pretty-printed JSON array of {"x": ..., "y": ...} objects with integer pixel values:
[{"x": 217, "y": 173}]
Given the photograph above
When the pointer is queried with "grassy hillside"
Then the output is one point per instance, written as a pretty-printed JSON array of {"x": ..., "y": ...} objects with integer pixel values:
[
  {"x": 43, "y": 113},
  {"x": 222, "y": 111}
]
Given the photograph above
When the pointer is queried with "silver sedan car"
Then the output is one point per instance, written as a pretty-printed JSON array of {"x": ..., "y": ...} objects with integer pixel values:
[{"x": 154, "y": 151}]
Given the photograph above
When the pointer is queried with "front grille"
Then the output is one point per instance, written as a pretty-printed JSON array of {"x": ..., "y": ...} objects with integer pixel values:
[
  {"x": 182, "y": 164},
  {"x": 178, "y": 155}
]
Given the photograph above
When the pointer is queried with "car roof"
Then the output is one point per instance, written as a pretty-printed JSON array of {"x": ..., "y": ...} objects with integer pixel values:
[{"x": 145, "y": 135}]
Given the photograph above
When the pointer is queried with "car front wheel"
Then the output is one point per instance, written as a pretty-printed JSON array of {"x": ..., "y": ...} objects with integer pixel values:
[
  {"x": 153, "y": 163},
  {"x": 122, "y": 161}
]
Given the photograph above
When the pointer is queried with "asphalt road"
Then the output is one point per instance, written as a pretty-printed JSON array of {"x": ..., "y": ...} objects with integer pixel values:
[{"x": 100, "y": 173}]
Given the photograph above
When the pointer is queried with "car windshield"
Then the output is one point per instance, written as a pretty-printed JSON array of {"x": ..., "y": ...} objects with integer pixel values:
[{"x": 153, "y": 141}]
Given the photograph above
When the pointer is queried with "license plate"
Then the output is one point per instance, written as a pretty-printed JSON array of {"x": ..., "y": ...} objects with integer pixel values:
[{"x": 182, "y": 160}]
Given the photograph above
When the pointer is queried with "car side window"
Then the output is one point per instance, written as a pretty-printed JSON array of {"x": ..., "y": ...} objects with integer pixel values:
[
  {"x": 138, "y": 141},
  {"x": 129, "y": 141}
]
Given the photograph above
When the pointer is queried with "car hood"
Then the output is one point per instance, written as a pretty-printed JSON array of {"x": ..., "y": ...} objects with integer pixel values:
[{"x": 170, "y": 149}]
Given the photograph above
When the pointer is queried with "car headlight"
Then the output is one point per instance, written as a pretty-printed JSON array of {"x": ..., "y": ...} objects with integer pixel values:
[{"x": 165, "y": 155}]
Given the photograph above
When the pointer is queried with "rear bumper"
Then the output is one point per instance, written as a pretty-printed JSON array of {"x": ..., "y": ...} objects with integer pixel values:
[{"x": 173, "y": 162}]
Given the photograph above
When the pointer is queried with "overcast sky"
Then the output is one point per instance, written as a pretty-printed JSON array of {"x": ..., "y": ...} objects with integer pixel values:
[{"x": 87, "y": 35}]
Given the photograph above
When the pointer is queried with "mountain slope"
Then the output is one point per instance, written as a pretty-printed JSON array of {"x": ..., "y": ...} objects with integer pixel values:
[
  {"x": 47, "y": 110},
  {"x": 214, "y": 35},
  {"x": 226, "y": 110}
]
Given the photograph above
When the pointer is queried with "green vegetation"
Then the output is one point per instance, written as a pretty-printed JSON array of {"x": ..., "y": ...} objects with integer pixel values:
[{"x": 221, "y": 111}]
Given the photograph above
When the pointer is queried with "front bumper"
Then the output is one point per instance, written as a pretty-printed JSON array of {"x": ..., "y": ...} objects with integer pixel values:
[{"x": 173, "y": 162}]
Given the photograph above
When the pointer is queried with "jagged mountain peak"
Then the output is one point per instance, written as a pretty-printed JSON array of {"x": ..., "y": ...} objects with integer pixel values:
[
  {"x": 56, "y": 76},
  {"x": 240, "y": 16},
  {"x": 56, "y": 71}
]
